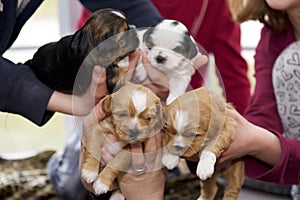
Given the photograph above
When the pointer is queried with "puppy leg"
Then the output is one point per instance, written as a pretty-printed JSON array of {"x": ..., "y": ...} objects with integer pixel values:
[
  {"x": 177, "y": 87},
  {"x": 169, "y": 160},
  {"x": 209, "y": 188},
  {"x": 92, "y": 141},
  {"x": 111, "y": 171},
  {"x": 235, "y": 177},
  {"x": 117, "y": 195},
  {"x": 214, "y": 147}
]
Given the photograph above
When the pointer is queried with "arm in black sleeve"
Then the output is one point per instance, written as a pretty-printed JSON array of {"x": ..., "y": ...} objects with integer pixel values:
[
  {"x": 141, "y": 13},
  {"x": 22, "y": 93}
]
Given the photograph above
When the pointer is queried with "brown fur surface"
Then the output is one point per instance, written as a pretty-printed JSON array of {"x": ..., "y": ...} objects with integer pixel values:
[
  {"x": 67, "y": 65},
  {"x": 209, "y": 128},
  {"x": 120, "y": 113}
]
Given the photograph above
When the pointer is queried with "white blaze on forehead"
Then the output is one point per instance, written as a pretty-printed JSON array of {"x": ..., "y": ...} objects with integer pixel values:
[
  {"x": 139, "y": 100},
  {"x": 181, "y": 120},
  {"x": 119, "y": 14}
]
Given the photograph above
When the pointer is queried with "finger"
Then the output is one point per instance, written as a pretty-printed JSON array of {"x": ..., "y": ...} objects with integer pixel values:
[
  {"x": 106, "y": 156},
  {"x": 133, "y": 62},
  {"x": 155, "y": 76},
  {"x": 94, "y": 117},
  {"x": 98, "y": 86},
  {"x": 137, "y": 156},
  {"x": 200, "y": 60},
  {"x": 153, "y": 152}
]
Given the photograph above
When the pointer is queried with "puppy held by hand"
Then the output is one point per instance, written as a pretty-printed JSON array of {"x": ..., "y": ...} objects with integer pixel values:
[
  {"x": 67, "y": 65},
  {"x": 197, "y": 123},
  {"x": 133, "y": 114},
  {"x": 173, "y": 51}
]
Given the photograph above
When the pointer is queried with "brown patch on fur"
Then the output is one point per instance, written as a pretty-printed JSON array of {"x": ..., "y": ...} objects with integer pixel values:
[
  {"x": 210, "y": 128},
  {"x": 118, "y": 121}
]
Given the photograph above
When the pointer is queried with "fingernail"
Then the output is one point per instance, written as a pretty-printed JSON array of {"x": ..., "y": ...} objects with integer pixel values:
[
  {"x": 98, "y": 69},
  {"x": 145, "y": 53}
]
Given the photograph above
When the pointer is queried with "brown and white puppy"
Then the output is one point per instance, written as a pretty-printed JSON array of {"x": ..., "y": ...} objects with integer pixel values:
[
  {"x": 197, "y": 123},
  {"x": 103, "y": 40},
  {"x": 173, "y": 51},
  {"x": 133, "y": 114}
]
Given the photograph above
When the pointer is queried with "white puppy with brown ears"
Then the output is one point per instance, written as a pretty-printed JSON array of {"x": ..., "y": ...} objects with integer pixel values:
[
  {"x": 133, "y": 114},
  {"x": 197, "y": 123},
  {"x": 173, "y": 51}
]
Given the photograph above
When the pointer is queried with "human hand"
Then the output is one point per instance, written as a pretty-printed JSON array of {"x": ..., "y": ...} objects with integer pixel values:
[
  {"x": 251, "y": 140},
  {"x": 150, "y": 183},
  {"x": 156, "y": 80},
  {"x": 80, "y": 105},
  {"x": 96, "y": 90},
  {"x": 147, "y": 154}
]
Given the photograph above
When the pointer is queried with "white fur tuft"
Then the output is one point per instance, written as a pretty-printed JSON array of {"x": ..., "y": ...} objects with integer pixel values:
[
  {"x": 181, "y": 120},
  {"x": 170, "y": 161},
  {"x": 118, "y": 14},
  {"x": 206, "y": 165},
  {"x": 100, "y": 188},
  {"x": 139, "y": 100},
  {"x": 117, "y": 196},
  {"x": 89, "y": 176}
]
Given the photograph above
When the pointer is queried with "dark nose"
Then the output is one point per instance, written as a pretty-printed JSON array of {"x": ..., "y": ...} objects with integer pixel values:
[
  {"x": 178, "y": 148},
  {"x": 160, "y": 59},
  {"x": 133, "y": 133}
]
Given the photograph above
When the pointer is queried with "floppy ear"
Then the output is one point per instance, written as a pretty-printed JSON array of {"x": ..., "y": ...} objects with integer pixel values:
[
  {"x": 147, "y": 39},
  {"x": 106, "y": 105},
  {"x": 157, "y": 112}
]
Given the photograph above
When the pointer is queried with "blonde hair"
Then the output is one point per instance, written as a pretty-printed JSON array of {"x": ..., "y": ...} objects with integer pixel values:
[{"x": 244, "y": 10}]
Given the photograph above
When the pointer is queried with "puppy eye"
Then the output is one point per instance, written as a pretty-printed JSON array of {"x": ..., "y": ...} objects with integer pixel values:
[
  {"x": 122, "y": 115},
  {"x": 179, "y": 49},
  {"x": 190, "y": 134}
]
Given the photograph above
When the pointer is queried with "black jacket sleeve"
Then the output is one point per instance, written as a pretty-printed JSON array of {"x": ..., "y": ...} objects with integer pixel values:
[
  {"x": 141, "y": 13},
  {"x": 22, "y": 93}
]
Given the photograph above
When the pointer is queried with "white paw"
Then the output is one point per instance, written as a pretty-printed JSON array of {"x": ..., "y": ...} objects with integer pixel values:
[
  {"x": 170, "y": 161},
  {"x": 88, "y": 175},
  {"x": 100, "y": 188},
  {"x": 206, "y": 165},
  {"x": 117, "y": 196},
  {"x": 140, "y": 73}
]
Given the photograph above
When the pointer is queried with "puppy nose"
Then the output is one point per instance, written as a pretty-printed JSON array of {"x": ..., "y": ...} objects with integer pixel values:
[
  {"x": 178, "y": 148},
  {"x": 160, "y": 59},
  {"x": 133, "y": 132}
]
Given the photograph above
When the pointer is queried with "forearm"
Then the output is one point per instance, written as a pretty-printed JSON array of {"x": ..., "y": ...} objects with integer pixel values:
[
  {"x": 266, "y": 146},
  {"x": 69, "y": 104}
]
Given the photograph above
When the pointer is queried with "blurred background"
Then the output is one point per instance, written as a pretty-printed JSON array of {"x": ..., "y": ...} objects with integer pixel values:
[{"x": 52, "y": 20}]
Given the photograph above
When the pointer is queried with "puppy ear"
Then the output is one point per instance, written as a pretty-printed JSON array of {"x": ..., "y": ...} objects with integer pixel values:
[
  {"x": 199, "y": 60},
  {"x": 147, "y": 39},
  {"x": 157, "y": 111},
  {"x": 106, "y": 105}
]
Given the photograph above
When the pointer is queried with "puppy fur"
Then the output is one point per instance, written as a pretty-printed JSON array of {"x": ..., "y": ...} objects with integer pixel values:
[
  {"x": 172, "y": 50},
  {"x": 133, "y": 113},
  {"x": 62, "y": 64},
  {"x": 197, "y": 120}
]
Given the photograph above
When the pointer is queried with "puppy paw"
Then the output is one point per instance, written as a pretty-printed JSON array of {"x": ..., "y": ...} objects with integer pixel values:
[
  {"x": 140, "y": 73},
  {"x": 88, "y": 175},
  {"x": 100, "y": 188},
  {"x": 206, "y": 165},
  {"x": 117, "y": 195},
  {"x": 170, "y": 161}
]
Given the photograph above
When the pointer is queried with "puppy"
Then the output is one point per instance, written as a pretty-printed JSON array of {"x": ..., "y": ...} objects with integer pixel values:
[
  {"x": 104, "y": 40},
  {"x": 197, "y": 122},
  {"x": 173, "y": 51},
  {"x": 133, "y": 113}
]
